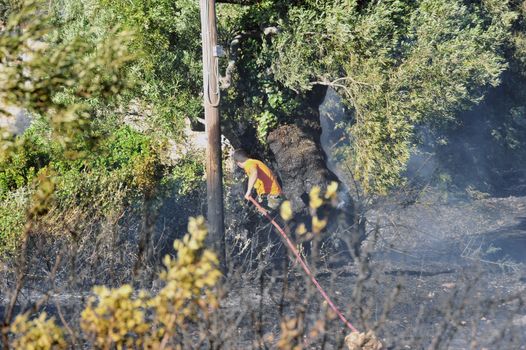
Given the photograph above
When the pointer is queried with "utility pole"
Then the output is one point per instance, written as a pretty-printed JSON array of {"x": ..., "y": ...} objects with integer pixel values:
[{"x": 214, "y": 173}]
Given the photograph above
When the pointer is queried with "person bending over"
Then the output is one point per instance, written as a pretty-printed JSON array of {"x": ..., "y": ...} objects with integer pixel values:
[{"x": 261, "y": 178}]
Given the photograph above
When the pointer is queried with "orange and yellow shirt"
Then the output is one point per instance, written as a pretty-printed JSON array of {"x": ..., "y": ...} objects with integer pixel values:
[{"x": 266, "y": 182}]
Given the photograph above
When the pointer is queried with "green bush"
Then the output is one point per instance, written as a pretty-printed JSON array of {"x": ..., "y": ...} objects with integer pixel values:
[
  {"x": 18, "y": 168},
  {"x": 186, "y": 176},
  {"x": 119, "y": 170},
  {"x": 13, "y": 209}
]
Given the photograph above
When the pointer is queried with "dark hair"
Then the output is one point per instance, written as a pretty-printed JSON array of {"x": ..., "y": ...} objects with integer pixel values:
[{"x": 240, "y": 155}]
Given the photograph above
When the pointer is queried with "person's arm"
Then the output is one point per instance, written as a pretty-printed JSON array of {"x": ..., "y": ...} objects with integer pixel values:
[{"x": 252, "y": 177}]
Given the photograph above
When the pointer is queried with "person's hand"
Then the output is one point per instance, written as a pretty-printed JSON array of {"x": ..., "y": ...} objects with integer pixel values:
[{"x": 247, "y": 196}]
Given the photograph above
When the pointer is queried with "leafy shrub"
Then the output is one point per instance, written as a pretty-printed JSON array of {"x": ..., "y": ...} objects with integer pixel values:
[
  {"x": 38, "y": 334},
  {"x": 124, "y": 162},
  {"x": 13, "y": 210},
  {"x": 187, "y": 175},
  {"x": 18, "y": 168}
]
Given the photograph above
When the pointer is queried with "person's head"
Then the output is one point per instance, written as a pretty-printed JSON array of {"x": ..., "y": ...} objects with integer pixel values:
[{"x": 240, "y": 157}]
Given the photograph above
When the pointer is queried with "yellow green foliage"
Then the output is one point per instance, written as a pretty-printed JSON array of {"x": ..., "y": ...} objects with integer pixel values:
[
  {"x": 37, "y": 334},
  {"x": 146, "y": 172},
  {"x": 117, "y": 318},
  {"x": 316, "y": 201},
  {"x": 314, "y": 198},
  {"x": 12, "y": 219},
  {"x": 189, "y": 281},
  {"x": 291, "y": 334},
  {"x": 56, "y": 80},
  {"x": 318, "y": 224},
  {"x": 285, "y": 211}
]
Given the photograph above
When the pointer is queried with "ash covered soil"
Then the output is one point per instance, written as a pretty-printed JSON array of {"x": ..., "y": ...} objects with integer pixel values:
[
  {"x": 439, "y": 275},
  {"x": 462, "y": 270}
]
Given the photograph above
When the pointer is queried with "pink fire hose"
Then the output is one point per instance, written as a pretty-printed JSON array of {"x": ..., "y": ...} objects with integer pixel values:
[{"x": 303, "y": 264}]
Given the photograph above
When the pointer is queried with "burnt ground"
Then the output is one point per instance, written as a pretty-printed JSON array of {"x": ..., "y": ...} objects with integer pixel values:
[
  {"x": 438, "y": 274},
  {"x": 462, "y": 266}
]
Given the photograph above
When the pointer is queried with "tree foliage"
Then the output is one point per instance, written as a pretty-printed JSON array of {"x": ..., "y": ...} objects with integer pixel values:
[
  {"x": 397, "y": 64},
  {"x": 56, "y": 77}
]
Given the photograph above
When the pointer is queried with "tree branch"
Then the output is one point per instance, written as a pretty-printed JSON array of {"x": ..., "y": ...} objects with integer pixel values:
[
  {"x": 226, "y": 80},
  {"x": 239, "y": 2}
]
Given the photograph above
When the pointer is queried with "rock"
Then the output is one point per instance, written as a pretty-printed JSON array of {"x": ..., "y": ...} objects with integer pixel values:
[
  {"x": 14, "y": 120},
  {"x": 362, "y": 341}
]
